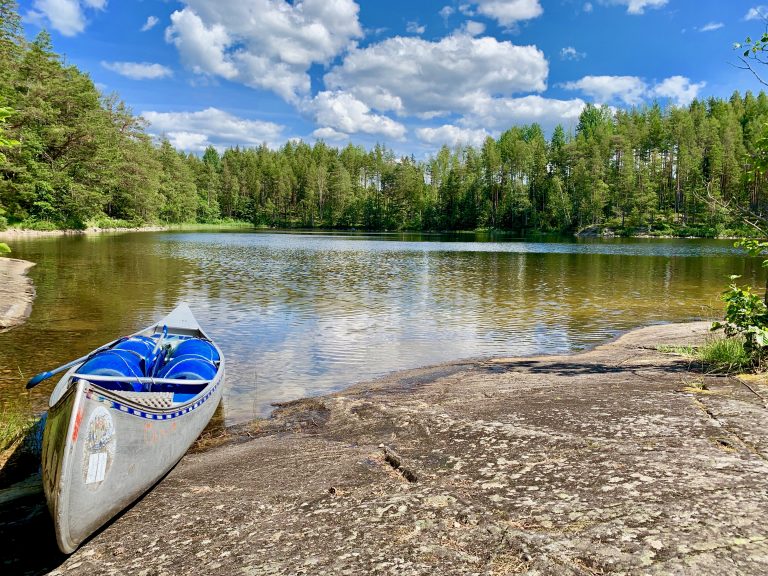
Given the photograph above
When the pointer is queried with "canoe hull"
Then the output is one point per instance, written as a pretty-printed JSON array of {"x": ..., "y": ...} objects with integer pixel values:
[
  {"x": 99, "y": 456},
  {"x": 103, "y": 450}
]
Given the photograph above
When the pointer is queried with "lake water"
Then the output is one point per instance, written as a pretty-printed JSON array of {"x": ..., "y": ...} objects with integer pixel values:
[{"x": 300, "y": 314}]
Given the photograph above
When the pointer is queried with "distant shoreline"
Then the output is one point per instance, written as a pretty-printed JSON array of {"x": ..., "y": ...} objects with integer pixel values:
[
  {"x": 589, "y": 232},
  {"x": 14, "y": 233}
]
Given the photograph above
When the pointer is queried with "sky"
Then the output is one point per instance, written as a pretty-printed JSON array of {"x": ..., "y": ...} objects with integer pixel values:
[{"x": 412, "y": 75}]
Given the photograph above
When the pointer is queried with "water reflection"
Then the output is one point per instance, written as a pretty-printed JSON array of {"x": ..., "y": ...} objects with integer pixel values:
[{"x": 302, "y": 314}]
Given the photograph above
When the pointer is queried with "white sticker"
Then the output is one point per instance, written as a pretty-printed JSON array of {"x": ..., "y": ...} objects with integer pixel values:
[
  {"x": 99, "y": 447},
  {"x": 97, "y": 467}
]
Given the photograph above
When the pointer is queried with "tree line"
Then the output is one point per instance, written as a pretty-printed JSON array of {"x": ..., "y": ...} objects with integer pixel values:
[{"x": 83, "y": 157}]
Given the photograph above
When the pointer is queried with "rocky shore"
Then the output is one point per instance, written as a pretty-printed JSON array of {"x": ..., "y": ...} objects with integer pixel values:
[
  {"x": 621, "y": 460},
  {"x": 16, "y": 233},
  {"x": 16, "y": 292}
]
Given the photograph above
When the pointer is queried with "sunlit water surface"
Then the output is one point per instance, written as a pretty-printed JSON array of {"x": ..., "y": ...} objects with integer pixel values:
[{"x": 300, "y": 314}]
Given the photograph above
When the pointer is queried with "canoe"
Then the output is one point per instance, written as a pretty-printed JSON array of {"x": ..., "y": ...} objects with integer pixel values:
[{"x": 122, "y": 418}]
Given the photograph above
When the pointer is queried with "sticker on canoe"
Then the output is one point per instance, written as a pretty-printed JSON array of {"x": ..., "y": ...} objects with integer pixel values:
[{"x": 99, "y": 449}]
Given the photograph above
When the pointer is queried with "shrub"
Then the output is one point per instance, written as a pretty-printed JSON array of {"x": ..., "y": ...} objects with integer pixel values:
[{"x": 746, "y": 317}]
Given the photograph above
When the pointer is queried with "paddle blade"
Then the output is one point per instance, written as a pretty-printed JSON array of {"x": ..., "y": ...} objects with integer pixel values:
[{"x": 35, "y": 380}]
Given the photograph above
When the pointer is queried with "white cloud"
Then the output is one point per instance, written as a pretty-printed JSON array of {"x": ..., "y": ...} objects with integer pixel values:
[
  {"x": 472, "y": 28},
  {"x": 637, "y": 6},
  {"x": 189, "y": 141},
  {"x": 507, "y": 12},
  {"x": 588, "y": 7},
  {"x": 604, "y": 89},
  {"x": 266, "y": 44},
  {"x": 501, "y": 113},
  {"x": 570, "y": 53},
  {"x": 757, "y": 13},
  {"x": 412, "y": 76},
  {"x": 151, "y": 22},
  {"x": 329, "y": 134},
  {"x": 451, "y": 135},
  {"x": 415, "y": 28},
  {"x": 195, "y": 131},
  {"x": 344, "y": 113},
  {"x": 138, "y": 70},
  {"x": 633, "y": 91},
  {"x": 679, "y": 89},
  {"x": 201, "y": 47},
  {"x": 711, "y": 26},
  {"x": 446, "y": 11},
  {"x": 66, "y": 16}
]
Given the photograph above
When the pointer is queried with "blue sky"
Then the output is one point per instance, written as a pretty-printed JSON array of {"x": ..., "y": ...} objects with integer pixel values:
[{"x": 409, "y": 74}]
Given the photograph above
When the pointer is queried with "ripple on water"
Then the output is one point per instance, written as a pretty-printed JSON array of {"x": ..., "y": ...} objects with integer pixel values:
[{"x": 304, "y": 314}]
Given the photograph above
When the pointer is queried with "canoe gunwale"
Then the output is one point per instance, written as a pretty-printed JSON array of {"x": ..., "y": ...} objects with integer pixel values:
[
  {"x": 178, "y": 409},
  {"x": 96, "y": 378}
]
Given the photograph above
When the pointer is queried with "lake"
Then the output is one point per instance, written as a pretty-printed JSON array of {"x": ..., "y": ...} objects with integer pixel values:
[{"x": 301, "y": 314}]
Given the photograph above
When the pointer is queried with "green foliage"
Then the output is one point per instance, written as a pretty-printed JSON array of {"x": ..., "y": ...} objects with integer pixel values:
[
  {"x": 4, "y": 248},
  {"x": 725, "y": 355},
  {"x": 106, "y": 223},
  {"x": 746, "y": 317},
  {"x": 41, "y": 225},
  {"x": 722, "y": 355},
  {"x": 83, "y": 157},
  {"x": 16, "y": 422}
]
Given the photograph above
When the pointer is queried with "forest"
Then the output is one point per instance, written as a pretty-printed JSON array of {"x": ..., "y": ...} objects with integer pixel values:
[{"x": 84, "y": 159}]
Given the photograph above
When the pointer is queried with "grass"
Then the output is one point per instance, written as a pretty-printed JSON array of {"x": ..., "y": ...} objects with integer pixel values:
[
  {"x": 16, "y": 421},
  {"x": 721, "y": 355}
]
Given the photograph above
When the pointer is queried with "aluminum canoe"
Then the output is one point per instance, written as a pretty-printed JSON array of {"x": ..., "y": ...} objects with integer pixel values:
[{"x": 103, "y": 448}]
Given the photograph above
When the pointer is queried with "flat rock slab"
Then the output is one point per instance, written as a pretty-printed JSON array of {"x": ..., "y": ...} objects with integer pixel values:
[
  {"x": 16, "y": 292},
  {"x": 617, "y": 461}
]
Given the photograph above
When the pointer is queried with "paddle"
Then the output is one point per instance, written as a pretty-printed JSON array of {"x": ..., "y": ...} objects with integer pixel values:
[
  {"x": 159, "y": 340},
  {"x": 35, "y": 380}
]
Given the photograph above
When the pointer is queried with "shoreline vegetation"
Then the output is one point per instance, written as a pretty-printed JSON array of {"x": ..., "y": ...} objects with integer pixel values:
[
  {"x": 82, "y": 159},
  {"x": 620, "y": 459},
  {"x": 15, "y": 232}
]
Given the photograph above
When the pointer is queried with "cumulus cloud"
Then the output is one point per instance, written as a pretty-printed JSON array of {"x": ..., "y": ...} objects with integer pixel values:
[
  {"x": 65, "y": 16},
  {"x": 757, "y": 13},
  {"x": 711, "y": 26},
  {"x": 451, "y": 135},
  {"x": 195, "y": 131},
  {"x": 267, "y": 44},
  {"x": 151, "y": 22},
  {"x": 633, "y": 91},
  {"x": 472, "y": 28},
  {"x": 588, "y": 7},
  {"x": 344, "y": 113},
  {"x": 415, "y": 28},
  {"x": 501, "y": 113},
  {"x": 605, "y": 89},
  {"x": 446, "y": 11},
  {"x": 638, "y": 6},
  {"x": 679, "y": 89},
  {"x": 329, "y": 134},
  {"x": 509, "y": 12},
  {"x": 138, "y": 70},
  {"x": 413, "y": 76},
  {"x": 570, "y": 53},
  {"x": 202, "y": 48}
]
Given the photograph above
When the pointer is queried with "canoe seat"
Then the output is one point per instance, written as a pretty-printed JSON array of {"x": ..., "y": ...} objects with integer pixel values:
[{"x": 149, "y": 399}]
